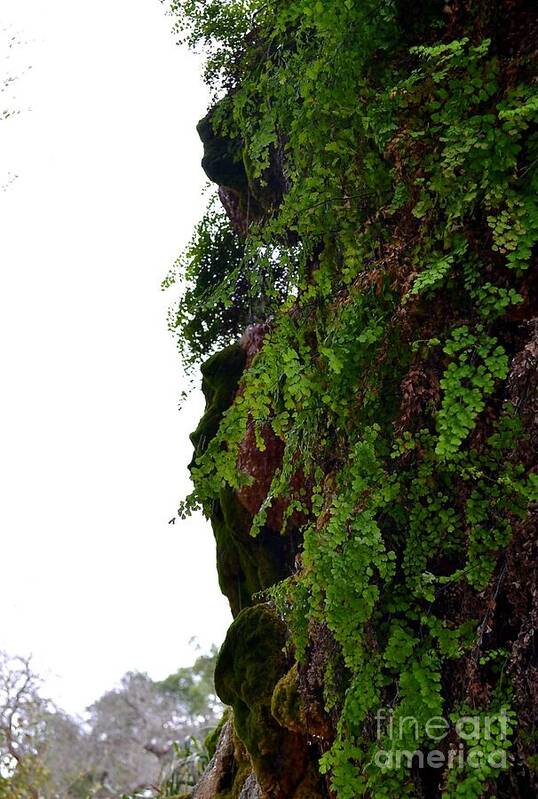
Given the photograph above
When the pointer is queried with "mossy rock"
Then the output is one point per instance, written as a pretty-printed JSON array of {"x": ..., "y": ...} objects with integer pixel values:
[
  {"x": 220, "y": 378},
  {"x": 222, "y": 161},
  {"x": 286, "y": 703},
  {"x": 226, "y": 162},
  {"x": 245, "y": 565},
  {"x": 250, "y": 664}
]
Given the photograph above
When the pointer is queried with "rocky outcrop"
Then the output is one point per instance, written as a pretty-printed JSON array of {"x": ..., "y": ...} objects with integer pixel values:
[
  {"x": 404, "y": 543},
  {"x": 254, "y": 678},
  {"x": 245, "y": 565},
  {"x": 220, "y": 378},
  {"x": 223, "y": 158},
  {"x": 217, "y": 775}
]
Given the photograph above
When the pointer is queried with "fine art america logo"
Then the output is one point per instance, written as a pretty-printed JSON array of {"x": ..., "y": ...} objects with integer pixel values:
[{"x": 473, "y": 741}]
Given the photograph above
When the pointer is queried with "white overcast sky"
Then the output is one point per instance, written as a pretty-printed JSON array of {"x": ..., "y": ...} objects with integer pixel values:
[{"x": 93, "y": 449}]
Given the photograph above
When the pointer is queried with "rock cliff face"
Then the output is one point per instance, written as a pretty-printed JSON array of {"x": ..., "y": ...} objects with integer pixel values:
[
  {"x": 263, "y": 750},
  {"x": 368, "y": 453},
  {"x": 245, "y": 565}
]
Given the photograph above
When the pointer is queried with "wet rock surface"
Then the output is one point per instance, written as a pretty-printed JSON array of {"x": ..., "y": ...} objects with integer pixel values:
[{"x": 221, "y": 765}]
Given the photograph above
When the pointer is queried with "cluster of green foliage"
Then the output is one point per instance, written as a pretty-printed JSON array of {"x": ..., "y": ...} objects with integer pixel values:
[
  {"x": 375, "y": 129},
  {"x": 213, "y": 307},
  {"x": 223, "y": 290}
]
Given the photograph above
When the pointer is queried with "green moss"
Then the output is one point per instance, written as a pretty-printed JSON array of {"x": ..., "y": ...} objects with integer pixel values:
[
  {"x": 220, "y": 378},
  {"x": 286, "y": 705},
  {"x": 250, "y": 664},
  {"x": 245, "y": 565},
  {"x": 532, "y": 763}
]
